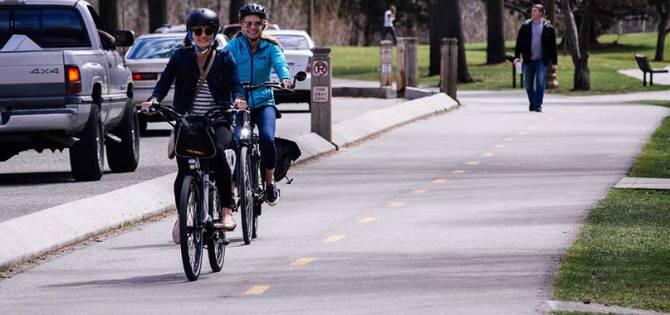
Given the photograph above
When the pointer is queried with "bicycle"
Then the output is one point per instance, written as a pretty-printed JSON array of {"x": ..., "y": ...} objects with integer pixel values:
[
  {"x": 199, "y": 207},
  {"x": 250, "y": 182}
]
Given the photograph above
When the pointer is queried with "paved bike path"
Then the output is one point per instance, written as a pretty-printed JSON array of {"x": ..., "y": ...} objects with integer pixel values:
[{"x": 465, "y": 213}]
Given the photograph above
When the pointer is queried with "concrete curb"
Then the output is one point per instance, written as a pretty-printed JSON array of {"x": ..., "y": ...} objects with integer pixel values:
[{"x": 38, "y": 233}]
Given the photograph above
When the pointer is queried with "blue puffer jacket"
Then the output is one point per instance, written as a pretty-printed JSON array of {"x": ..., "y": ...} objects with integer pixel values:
[{"x": 256, "y": 68}]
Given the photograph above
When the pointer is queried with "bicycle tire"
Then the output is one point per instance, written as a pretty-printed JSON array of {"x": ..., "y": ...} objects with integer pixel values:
[
  {"x": 216, "y": 248},
  {"x": 259, "y": 191},
  {"x": 190, "y": 233},
  {"x": 246, "y": 195}
]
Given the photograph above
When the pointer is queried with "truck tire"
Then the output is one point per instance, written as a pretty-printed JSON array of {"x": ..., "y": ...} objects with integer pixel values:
[
  {"x": 87, "y": 156},
  {"x": 124, "y": 156}
]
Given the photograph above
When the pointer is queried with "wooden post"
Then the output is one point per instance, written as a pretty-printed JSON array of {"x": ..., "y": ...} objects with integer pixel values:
[
  {"x": 310, "y": 19},
  {"x": 401, "y": 80},
  {"x": 449, "y": 71},
  {"x": 322, "y": 93},
  {"x": 386, "y": 60},
  {"x": 408, "y": 68}
]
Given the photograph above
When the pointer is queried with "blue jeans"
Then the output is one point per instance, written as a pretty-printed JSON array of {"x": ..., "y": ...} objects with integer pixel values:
[
  {"x": 535, "y": 75},
  {"x": 266, "y": 120}
]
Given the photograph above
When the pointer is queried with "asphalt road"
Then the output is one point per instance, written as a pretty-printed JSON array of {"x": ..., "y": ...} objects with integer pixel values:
[
  {"x": 464, "y": 213},
  {"x": 31, "y": 181}
]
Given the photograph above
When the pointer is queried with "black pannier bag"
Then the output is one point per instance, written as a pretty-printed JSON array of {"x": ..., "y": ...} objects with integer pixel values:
[
  {"x": 287, "y": 152},
  {"x": 195, "y": 140}
]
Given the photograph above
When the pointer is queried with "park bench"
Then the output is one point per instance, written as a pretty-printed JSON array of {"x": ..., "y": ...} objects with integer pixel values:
[{"x": 643, "y": 63}]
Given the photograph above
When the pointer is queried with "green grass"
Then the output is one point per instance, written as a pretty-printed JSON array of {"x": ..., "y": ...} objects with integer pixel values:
[
  {"x": 363, "y": 63},
  {"x": 622, "y": 255},
  {"x": 654, "y": 160}
]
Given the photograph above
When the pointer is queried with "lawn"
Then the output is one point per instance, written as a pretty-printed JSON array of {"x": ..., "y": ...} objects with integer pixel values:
[
  {"x": 616, "y": 52},
  {"x": 654, "y": 160}
]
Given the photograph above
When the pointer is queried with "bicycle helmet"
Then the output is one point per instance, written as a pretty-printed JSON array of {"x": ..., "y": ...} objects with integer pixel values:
[
  {"x": 252, "y": 8},
  {"x": 202, "y": 17}
]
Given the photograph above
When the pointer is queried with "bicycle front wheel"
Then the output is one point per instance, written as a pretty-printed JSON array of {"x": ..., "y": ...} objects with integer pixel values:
[
  {"x": 246, "y": 194},
  {"x": 190, "y": 229}
]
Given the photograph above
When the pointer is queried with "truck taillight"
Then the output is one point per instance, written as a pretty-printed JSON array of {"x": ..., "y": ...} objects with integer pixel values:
[
  {"x": 139, "y": 76},
  {"x": 72, "y": 79}
]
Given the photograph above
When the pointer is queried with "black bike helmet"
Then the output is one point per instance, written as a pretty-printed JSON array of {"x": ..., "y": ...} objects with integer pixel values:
[
  {"x": 203, "y": 17},
  {"x": 252, "y": 8}
]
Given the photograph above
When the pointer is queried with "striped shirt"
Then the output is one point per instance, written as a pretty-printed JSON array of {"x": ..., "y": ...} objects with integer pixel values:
[{"x": 204, "y": 101}]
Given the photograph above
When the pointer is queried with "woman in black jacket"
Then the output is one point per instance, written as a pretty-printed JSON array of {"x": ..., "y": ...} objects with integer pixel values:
[{"x": 220, "y": 88}]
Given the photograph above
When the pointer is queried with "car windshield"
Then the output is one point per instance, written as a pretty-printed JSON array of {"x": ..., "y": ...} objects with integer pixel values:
[
  {"x": 155, "y": 47},
  {"x": 292, "y": 42},
  {"x": 161, "y": 47}
]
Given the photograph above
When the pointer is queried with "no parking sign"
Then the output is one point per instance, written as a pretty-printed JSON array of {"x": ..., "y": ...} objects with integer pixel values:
[{"x": 320, "y": 68}]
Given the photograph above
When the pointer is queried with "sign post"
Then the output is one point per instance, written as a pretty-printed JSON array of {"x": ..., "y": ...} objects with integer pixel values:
[
  {"x": 322, "y": 93},
  {"x": 449, "y": 71}
]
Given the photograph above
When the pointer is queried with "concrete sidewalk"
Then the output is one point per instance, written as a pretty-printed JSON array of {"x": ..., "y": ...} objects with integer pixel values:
[
  {"x": 644, "y": 183},
  {"x": 38, "y": 233}
]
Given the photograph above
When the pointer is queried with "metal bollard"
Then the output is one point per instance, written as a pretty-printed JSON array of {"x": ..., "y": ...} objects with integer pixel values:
[
  {"x": 449, "y": 71},
  {"x": 322, "y": 94},
  {"x": 386, "y": 60}
]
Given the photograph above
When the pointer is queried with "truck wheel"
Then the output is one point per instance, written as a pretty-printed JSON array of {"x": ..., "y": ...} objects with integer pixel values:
[
  {"x": 124, "y": 156},
  {"x": 87, "y": 156}
]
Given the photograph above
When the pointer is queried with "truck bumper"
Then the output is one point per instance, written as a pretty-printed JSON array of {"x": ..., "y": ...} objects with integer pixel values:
[{"x": 71, "y": 119}]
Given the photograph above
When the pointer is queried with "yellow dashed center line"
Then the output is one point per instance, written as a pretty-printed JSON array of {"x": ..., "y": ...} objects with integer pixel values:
[
  {"x": 472, "y": 162},
  {"x": 488, "y": 154},
  {"x": 458, "y": 171},
  {"x": 334, "y": 238},
  {"x": 439, "y": 181},
  {"x": 303, "y": 261},
  {"x": 509, "y": 139},
  {"x": 368, "y": 220},
  {"x": 419, "y": 191},
  {"x": 397, "y": 204},
  {"x": 257, "y": 290}
]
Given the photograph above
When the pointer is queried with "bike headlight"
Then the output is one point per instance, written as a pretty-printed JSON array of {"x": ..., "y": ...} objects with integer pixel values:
[{"x": 245, "y": 133}]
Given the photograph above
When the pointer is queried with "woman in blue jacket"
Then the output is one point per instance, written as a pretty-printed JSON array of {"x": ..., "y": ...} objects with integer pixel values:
[
  {"x": 220, "y": 88},
  {"x": 256, "y": 55}
]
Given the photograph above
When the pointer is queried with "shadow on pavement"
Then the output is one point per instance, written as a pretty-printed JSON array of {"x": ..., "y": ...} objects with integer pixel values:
[{"x": 25, "y": 179}]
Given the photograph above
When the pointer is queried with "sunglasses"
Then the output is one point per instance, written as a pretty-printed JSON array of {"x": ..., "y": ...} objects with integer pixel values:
[
  {"x": 199, "y": 31},
  {"x": 249, "y": 24}
]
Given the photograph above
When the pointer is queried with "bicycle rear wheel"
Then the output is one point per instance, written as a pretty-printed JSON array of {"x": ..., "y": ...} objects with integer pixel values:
[
  {"x": 190, "y": 231},
  {"x": 216, "y": 249},
  {"x": 246, "y": 194}
]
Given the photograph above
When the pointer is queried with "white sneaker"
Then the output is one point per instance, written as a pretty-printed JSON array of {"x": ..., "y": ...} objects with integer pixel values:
[{"x": 175, "y": 232}]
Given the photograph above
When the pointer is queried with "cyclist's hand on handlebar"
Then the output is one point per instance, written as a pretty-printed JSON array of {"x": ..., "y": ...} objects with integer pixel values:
[
  {"x": 145, "y": 108},
  {"x": 287, "y": 83},
  {"x": 240, "y": 104}
]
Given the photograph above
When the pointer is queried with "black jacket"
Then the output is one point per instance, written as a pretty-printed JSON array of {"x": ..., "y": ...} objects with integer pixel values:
[
  {"x": 523, "y": 40},
  {"x": 182, "y": 69}
]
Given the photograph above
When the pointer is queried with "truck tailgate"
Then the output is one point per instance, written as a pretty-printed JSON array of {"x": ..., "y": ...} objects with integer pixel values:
[{"x": 31, "y": 74}]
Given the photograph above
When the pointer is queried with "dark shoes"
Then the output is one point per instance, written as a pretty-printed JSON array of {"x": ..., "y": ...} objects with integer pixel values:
[
  {"x": 539, "y": 109},
  {"x": 535, "y": 109},
  {"x": 271, "y": 194}
]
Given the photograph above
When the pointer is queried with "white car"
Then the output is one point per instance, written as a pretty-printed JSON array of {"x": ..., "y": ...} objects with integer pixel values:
[
  {"x": 147, "y": 59},
  {"x": 298, "y": 51}
]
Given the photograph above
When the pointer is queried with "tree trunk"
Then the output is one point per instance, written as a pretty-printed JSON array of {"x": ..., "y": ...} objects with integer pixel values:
[
  {"x": 582, "y": 77},
  {"x": 157, "y": 14},
  {"x": 495, "y": 39},
  {"x": 454, "y": 29},
  {"x": 233, "y": 16},
  {"x": 581, "y": 80},
  {"x": 662, "y": 7},
  {"x": 436, "y": 35},
  {"x": 109, "y": 15}
]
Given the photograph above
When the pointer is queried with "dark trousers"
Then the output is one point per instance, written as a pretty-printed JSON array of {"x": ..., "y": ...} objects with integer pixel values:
[
  {"x": 388, "y": 29},
  {"x": 222, "y": 172},
  {"x": 265, "y": 118}
]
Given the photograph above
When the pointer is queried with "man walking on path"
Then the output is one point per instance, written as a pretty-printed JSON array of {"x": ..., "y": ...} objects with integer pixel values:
[
  {"x": 536, "y": 44},
  {"x": 389, "y": 17}
]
